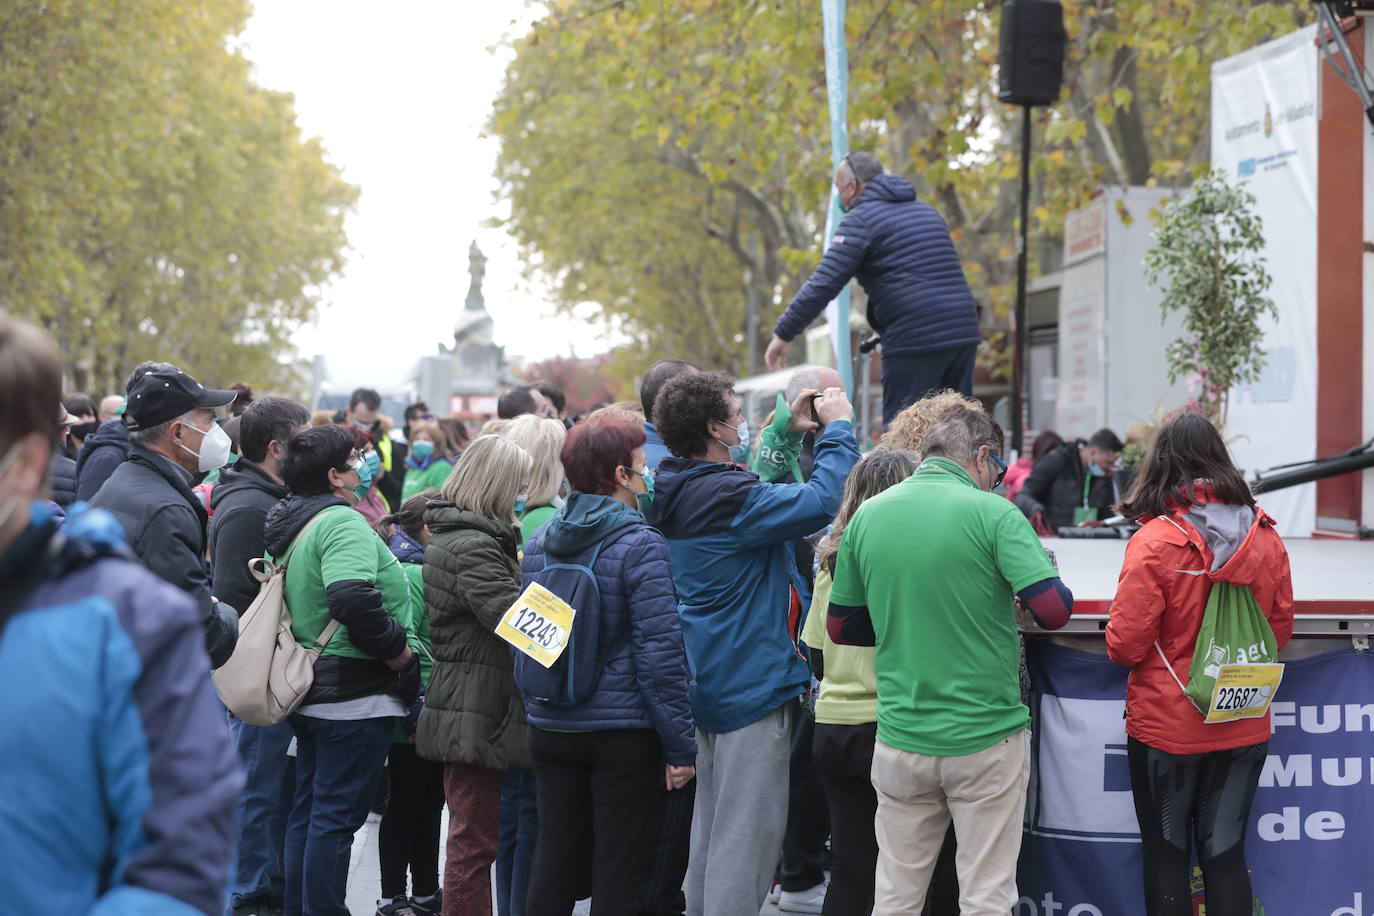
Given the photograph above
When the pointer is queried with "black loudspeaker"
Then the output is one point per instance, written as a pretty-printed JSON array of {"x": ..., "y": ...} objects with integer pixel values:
[{"x": 1031, "y": 52}]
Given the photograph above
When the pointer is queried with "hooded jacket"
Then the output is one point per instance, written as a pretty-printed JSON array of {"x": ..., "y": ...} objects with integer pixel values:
[
  {"x": 900, "y": 250},
  {"x": 342, "y": 570},
  {"x": 728, "y": 536},
  {"x": 121, "y": 777},
  {"x": 150, "y": 496},
  {"x": 103, "y": 451},
  {"x": 473, "y": 713},
  {"x": 644, "y": 681},
  {"x": 240, "y": 503},
  {"x": 1166, "y": 577}
]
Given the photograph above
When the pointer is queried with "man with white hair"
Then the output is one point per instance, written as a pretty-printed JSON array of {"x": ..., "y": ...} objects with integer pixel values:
[
  {"x": 109, "y": 407},
  {"x": 173, "y": 437},
  {"x": 936, "y": 599}
]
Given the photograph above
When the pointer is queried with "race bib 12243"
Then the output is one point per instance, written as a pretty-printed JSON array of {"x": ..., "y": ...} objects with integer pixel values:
[{"x": 538, "y": 624}]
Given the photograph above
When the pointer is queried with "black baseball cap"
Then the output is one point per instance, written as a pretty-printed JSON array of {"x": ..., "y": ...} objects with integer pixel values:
[{"x": 166, "y": 394}]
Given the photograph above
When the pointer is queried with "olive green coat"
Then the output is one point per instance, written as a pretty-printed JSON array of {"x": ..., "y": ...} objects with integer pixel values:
[{"x": 473, "y": 712}]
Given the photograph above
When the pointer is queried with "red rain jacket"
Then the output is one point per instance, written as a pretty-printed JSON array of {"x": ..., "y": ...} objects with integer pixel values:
[{"x": 1166, "y": 577}]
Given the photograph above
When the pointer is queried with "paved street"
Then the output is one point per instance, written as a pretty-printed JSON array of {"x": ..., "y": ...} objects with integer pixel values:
[{"x": 364, "y": 879}]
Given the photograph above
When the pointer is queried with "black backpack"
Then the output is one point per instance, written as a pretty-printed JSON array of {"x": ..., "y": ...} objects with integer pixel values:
[{"x": 572, "y": 679}]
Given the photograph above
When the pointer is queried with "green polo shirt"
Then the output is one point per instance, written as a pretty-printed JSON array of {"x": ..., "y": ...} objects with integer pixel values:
[
  {"x": 339, "y": 547},
  {"x": 937, "y": 561}
]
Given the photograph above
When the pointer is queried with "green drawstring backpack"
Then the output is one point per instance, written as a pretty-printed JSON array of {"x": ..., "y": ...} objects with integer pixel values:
[{"x": 1235, "y": 670}]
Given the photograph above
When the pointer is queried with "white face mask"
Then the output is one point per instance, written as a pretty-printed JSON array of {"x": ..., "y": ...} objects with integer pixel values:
[{"x": 214, "y": 447}]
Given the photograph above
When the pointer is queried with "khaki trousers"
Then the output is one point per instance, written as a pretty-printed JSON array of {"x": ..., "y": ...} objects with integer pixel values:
[{"x": 984, "y": 794}]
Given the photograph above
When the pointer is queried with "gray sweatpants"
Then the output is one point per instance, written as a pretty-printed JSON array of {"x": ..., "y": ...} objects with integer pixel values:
[{"x": 740, "y": 815}]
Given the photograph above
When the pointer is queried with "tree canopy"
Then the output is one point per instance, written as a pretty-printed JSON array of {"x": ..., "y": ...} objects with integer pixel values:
[
  {"x": 154, "y": 201},
  {"x": 659, "y": 158}
]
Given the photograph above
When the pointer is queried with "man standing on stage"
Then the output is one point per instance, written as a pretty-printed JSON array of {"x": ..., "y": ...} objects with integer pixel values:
[{"x": 918, "y": 299}]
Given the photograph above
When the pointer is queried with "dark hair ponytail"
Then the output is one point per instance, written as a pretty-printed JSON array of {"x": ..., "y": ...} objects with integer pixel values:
[{"x": 410, "y": 518}]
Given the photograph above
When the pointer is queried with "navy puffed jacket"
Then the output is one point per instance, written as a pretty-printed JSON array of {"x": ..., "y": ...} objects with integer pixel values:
[
  {"x": 644, "y": 682},
  {"x": 900, "y": 251}
]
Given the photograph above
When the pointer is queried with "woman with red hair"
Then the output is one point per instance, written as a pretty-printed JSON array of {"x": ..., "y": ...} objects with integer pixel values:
[{"x": 599, "y": 765}]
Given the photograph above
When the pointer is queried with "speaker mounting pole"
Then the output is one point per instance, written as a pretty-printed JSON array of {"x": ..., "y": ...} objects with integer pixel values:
[
  {"x": 1019, "y": 319},
  {"x": 1030, "y": 63}
]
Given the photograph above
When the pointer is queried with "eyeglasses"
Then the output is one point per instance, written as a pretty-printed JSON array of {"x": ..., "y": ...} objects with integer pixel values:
[{"x": 1001, "y": 469}]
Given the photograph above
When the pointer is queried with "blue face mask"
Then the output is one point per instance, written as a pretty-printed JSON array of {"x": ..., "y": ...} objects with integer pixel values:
[
  {"x": 1095, "y": 470},
  {"x": 422, "y": 450},
  {"x": 739, "y": 453},
  {"x": 366, "y": 472},
  {"x": 521, "y": 502}
]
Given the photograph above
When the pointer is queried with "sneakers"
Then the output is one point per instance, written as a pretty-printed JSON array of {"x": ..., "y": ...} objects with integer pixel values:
[
  {"x": 808, "y": 901},
  {"x": 433, "y": 906},
  {"x": 774, "y": 892},
  {"x": 400, "y": 906}
]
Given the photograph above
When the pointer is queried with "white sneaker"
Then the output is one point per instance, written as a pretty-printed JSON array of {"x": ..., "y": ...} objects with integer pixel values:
[
  {"x": 774, "y": 891},
  {"x": 808, "y": 901}
]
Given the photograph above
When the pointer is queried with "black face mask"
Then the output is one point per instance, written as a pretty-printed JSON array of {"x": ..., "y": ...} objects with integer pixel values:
[{"x": 82, "y": 430}]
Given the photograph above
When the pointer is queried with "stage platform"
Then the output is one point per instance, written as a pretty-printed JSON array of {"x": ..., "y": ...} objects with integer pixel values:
[{"x": 1333, "y": 583}]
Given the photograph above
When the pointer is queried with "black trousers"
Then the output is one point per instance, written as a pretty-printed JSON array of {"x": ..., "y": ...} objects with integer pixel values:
[
  {"x": 673, "y": 811},
  {"x": 1207, "y": 797},
  {"x": 908, "y": 377},
  {"x": 844, "y": 758},
  {"x": 408, "y": 839},
  {"x": 605, "y": 783},
  {"x": 808, "y": 819}
]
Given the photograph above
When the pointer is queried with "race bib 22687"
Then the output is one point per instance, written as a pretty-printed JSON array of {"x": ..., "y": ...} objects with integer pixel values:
[{"x": 1243, "y": 692}]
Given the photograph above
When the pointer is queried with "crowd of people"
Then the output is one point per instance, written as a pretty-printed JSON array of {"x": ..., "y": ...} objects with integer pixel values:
[{"x": 784, "y": 657}]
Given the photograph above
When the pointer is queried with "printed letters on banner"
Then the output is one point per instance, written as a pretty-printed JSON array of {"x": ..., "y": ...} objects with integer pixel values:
[{"x": 538, "y": 624}]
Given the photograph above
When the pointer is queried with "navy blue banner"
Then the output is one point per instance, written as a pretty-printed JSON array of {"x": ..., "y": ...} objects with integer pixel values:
[{"x": 1310, "y": 847}]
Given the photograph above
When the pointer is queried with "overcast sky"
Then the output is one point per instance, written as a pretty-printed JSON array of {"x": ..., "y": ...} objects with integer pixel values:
[{"x": 399, "y": 93}]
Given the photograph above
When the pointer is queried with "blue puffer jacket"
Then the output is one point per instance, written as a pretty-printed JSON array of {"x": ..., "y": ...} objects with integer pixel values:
[
  {"x": 103, "y": 451},
  {"x": 900, "y": 250},
  {"x": 121, "y": 779},
  {"x": 729, "y": 538},
  {"x": 644, "y": 683}
]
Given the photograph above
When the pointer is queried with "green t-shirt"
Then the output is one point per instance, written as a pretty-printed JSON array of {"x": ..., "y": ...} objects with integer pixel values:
[
  {"x": 534, "y": 518},
  {"x": 342, "y": 546},
  {"x": 849, "y": 690},
  {"x": 937, "y": 561},
  {"x": 419, "y": 480},
  {"x": 418, "y": 634}
]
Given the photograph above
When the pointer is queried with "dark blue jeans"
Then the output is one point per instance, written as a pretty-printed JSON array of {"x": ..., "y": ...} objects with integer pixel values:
[
  {"x": 908, "y": 377},
  {"x": 519, "y": 832},
  {"x": 260, "y": 822},
  {"x": 337, "y": 768}
]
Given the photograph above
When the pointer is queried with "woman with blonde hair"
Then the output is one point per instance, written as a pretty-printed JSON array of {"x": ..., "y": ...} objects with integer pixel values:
[
  {"x": 474, "y": 717},
  {"x": 543, "y": 439},
  {"x": 908, "y": 429}
]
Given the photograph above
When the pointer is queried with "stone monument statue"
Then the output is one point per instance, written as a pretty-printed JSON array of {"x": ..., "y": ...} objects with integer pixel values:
[{"x": 476, "y": 360}]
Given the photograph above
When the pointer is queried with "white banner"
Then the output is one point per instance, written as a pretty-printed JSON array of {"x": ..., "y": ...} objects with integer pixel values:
[{"x": 1264, "y": 131}]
